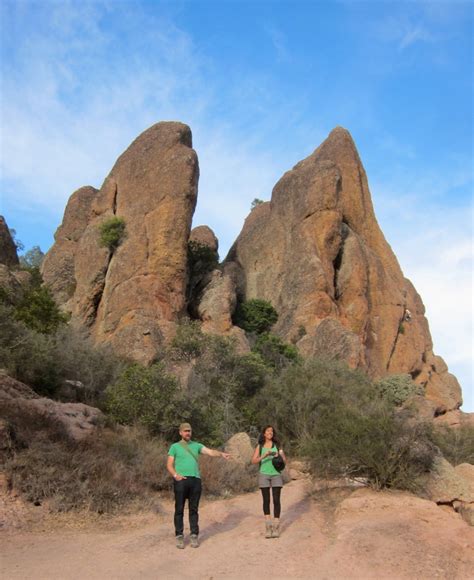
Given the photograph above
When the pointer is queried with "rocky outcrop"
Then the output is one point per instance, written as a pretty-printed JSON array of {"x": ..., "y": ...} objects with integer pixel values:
[
  {"x": 8, "y": 254},
  {"x": 21, "y": 405},
  {"x": 131, "y": 297},
  {"x": 58, "y": 265},
  {"x": 316, "y": 252}
]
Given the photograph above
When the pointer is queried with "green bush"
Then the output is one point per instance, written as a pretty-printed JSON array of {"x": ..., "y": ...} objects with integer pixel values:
[
  {"x": 112, "y": 233},
  {"x": 221, "y": 384},
  {"x": 274, "y": 351},
  {"x": 398, "y": 388},
  {"x": 189, "y": 340},
  {"x": 34, "y": 305},
  {"x": 45, "y": 361},
  {"x": 255, "y": 316},
  {"x": 146, "y": 396},
  {"x": 332, "y": 414},
  {"x": 455, "y": 443},
  {"x": 26, "y": 355},
  {"x": 38, "y": 310}
]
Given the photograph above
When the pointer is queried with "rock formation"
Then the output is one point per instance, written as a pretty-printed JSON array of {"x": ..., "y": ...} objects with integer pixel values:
[
  {"x": 17, "y": 400},
  {"x": 316, "y": 252},
  {"x": 8, "y": 255},
  {"x": 132, "y": 296}
]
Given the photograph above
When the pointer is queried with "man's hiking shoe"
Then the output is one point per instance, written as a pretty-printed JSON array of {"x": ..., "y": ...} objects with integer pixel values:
[
  {"x": 268, "y": 529},
  {"x": 180, "y": 542},
  {"x": 194, "y": 541},
  {"x": 276, "y": 530}
]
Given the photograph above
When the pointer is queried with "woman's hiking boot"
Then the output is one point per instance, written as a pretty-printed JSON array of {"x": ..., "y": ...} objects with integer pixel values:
[
  {"x": 194, "y": 541},
  {"x": 268, "y": 529},
  {"x": 180, "y": 542},
  {"x": 276, "y": 530}
]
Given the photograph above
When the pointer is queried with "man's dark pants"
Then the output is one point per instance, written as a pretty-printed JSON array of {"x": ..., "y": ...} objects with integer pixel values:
[{"x": 187, "y": 489}]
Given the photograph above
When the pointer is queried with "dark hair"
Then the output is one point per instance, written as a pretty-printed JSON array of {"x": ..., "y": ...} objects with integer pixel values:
[{"x": 261, "y": 437}]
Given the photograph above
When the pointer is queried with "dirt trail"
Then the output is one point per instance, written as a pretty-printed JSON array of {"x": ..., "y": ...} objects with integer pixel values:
[{"x": 313, "y": 544}]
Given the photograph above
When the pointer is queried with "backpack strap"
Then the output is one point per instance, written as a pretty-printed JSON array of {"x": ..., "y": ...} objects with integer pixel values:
[{"x": 184, "y": 445}]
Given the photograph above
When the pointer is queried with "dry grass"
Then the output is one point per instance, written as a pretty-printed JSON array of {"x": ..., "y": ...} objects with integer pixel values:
[
  {"x": 222, "y": 478},
  {"x": 103, "y": 474}
]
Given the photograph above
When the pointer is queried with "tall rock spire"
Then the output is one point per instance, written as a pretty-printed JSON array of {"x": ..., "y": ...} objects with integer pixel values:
[
  {"x": 317, "y": 253},
  {"x": 131, "y": 297}
]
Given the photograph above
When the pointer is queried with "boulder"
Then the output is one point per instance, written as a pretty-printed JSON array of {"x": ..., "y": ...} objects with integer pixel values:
[
  {"x": 205, "y": 236},
  {"x": 445, "y": 484},
  {"x": 453, "y": 486},
  {"x": 240, "y": 447}
]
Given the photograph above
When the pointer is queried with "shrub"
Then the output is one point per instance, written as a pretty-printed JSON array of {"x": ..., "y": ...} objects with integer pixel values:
[
  {"x": 45, "y": 361},
  {"x": 255, "y": 315},
  {"x": 101, "y": 474},
  {"x": 189, "y": 340},
  {"x": 275, "y": 352},
  {"x": 144, "y": 396},
  {"x": 38, "y": 310},
  {"x": 373, "y": 443},
  {"x": 221, "y": 384},
  {"x": 222, "y": 478},
  {"x": 398, "y": 388},
  {"x": 333, "y": 415},
  {"x": 27, "y": 356},
  {"x": 112, "y": 233},
  {"x": 456, "y": 444}
]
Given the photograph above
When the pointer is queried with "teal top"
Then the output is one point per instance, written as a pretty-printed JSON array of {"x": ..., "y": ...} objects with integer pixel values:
[
  {"x": 186, "y": 461},
  {"x": 266, "y": 465}
]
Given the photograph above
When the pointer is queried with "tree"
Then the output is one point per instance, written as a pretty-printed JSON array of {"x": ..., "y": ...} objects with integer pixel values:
[
  {"x": 256, "y": 202},
  {"x": 32, "y": 258}
]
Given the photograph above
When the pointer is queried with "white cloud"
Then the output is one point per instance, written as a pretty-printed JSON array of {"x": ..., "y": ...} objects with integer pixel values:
[{"x": 413, "y": 34}]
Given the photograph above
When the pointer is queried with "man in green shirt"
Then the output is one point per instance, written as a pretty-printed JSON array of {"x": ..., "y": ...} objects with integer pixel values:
[{"x": 183, "y": 465}]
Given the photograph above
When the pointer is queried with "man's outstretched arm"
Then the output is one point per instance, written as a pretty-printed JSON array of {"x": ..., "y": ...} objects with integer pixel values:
[{"x": 214, "y": 453}]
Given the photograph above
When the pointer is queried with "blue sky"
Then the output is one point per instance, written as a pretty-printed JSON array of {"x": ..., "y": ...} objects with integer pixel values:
[{"x": 261, "y": 84}]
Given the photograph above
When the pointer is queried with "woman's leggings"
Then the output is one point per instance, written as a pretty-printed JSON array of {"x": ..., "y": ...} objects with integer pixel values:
[{"x": 276, "y": 491}]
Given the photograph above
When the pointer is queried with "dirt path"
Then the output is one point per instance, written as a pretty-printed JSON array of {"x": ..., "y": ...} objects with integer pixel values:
[{"x": 313, "y": 544}]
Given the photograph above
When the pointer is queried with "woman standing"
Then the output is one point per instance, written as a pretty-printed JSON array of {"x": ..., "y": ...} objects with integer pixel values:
[{"x": 268, "y": 477}]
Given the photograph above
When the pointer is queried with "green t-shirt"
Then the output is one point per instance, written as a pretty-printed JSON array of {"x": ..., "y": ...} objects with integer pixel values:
[
  {"x": 266, "y": 466},
  {"x": 184, "y": 462}
]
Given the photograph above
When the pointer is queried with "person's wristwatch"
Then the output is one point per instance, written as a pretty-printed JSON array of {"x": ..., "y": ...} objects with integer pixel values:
[{"x": 175, "y": 476}]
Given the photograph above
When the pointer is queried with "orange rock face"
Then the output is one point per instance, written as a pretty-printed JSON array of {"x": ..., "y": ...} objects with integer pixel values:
[
  {"x": 132, "y": 296},
  {"x": 316, "y": 252}
]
